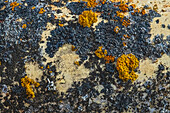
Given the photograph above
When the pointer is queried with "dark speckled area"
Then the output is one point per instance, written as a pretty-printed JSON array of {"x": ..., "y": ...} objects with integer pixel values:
[{"x": 102, "y": 91}]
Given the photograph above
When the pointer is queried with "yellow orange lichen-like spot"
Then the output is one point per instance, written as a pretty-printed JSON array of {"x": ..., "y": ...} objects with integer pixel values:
[
  {"x": 123, "y": 7},
  {"x": 126, "y": 64},
  {"x": 116, "y": 29},
  {"x": 33, "y": 7},
  {"x": 24, "y": 26},
  {"x": 87, "y": 18},
  {"x": 103, "y": 1},
  {"x": 26, "y": 82},
  {"x": 99, "y": 52},
  {"x": 119, "y": 14},
  {"x": 109, "y": 58},
  {"x": 143, "y": 12},
  {"x": 73, "y": 48},
  {"x": 41, "y": 11},
  {"x": 126, "y": 23},
  {"x": 61, "y": 25},
  {"x": 77, "y": 63},
  {"x": 14, "y": 4},
  {"x": 133, "y": 5},
  {"x": 91, "y": 3}
]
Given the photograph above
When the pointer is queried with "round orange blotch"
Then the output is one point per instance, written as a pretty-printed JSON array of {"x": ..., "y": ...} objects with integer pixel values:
[
  {"x": 48, "y": 67},
  {"x": 61, "y": 25},
  {"x": 24, "y": 26},
  {"x": 33, "y": 7},
  {"x": 73, "y": 48},
  {"x": 116, "y": 29},
  {"x": 87, "y": 18},
  {"x": 41, "y": 67},
  {"x": 124, "y": 44},
  {"x": 50, "y": 71},
  {"x": 41, "y": 11},
  {"x": 143, "y": 11},
  {"x": 77, "y": 63}
]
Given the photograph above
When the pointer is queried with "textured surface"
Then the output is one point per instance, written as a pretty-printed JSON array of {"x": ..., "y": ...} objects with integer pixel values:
[{"x": 39, "y": 44}]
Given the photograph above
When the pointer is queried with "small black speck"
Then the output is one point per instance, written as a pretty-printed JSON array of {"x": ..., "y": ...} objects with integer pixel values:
[
  {"x": 163, "y": 25},
  {"x": 168, "y": 26},
  {"x": 161, "y": 67},
  {"x": 157, "y": 21},
  {"x": 139, "y": 71},
  {"x": 42, "y": 42},
  {"x": 44, "y": 59},
  {"x": 59, "y": 11}
]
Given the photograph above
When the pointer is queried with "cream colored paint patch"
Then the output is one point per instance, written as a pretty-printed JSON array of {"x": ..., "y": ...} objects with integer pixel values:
[
  {"x": 157, "y": 28},
  {"x": 4, "y": 69},
  {"x": 66, "y": 58},
  {"x": 69, "y": 71},
  {"x": 161, "y": 4},
  {"x": 19, "y": 20},
  {"x": 65, "y": 13},
  {"x": 148, "y": 68},
  {"x": 33, "y": 71},
  {"x": 45, "y": 35}
]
